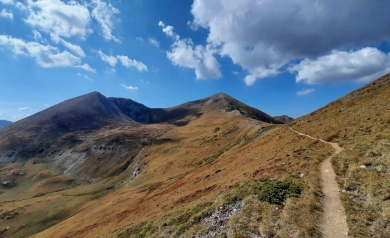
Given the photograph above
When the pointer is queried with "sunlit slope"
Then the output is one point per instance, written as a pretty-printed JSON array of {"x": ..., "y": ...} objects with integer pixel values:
[
  {"x": 359, "y": 122},
  {"x": 199, "y": 164}
]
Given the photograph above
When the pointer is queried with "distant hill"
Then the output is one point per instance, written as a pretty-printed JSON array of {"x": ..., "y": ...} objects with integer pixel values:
[
  {"x": 4, "y": 123},
  {"x": 284, "y": 118}
]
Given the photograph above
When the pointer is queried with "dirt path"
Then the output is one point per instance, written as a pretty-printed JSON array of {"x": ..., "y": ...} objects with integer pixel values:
[{"x": 334, "y": 221}]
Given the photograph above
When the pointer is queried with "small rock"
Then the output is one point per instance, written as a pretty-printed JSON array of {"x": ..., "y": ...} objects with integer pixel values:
[{"x": 363, "y": 166}]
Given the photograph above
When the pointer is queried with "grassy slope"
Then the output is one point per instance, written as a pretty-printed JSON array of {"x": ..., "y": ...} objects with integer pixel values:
[
  {"x": 180, "y": 172},
  {"x": 359, "y": 122}
]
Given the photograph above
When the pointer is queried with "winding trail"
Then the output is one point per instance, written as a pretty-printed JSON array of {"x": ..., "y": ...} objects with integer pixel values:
[{"x": 333, "y": 222}]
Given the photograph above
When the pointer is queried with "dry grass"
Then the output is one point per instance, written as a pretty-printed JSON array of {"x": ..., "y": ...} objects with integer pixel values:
[
  {"x": 173, "y": 186},
  {"x": 360, "y": 123}
]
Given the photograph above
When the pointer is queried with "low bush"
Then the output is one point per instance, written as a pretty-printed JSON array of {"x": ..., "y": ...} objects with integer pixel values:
[{"x": 276, "y": 192}]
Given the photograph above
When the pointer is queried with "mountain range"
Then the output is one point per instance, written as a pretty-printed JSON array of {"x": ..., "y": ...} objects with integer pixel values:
[{"x": 94, "y": 166}]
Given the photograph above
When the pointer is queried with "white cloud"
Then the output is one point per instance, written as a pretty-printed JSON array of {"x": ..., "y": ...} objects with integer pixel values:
[
  {"x": 111, "y": 60},
  {"x": 154, "y": 42},
  {"x": 193, "y": 26},
  {"x": 105, "y": 15},
  {"x": 144, "y": 81},
  {"x": 25, "y": 109},
  {"x": 126, "y": 61},
  {"x": 168, "y": 30},
  {"x": 306, "y": 91},
  {"x": 235, "y": 72},
  {"x": 69, "y": 19},
  {"x": 87, "y": 78},
  {"x": 265, "y": 36},
  {"x": 74, "y": 48},
  {"x": 45, "y": 55},
  {"x": 22, "y": 7},
  {"x": 362, "y": 66},
  {"x": 84, "y": 76},
  {"x": 86, "y": 67},
  {"x": 7, "y": 1},
  {"x": 129, "y": 87},
  {"x": 132, "y": 63},
  {"x": 185, "y": 54},
  {"x": 111, "y": 71},
  {"x": 139, "y": 39},
  {"x": 6, "y": 14},
  {"x": 13, "y": 116},
  {"x": 37, "y": 35}
]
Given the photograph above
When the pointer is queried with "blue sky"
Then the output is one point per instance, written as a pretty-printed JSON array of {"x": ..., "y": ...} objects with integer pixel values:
[{"x": 280, "y": 57}]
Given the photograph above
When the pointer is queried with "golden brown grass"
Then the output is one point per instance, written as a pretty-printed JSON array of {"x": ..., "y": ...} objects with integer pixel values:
[
  {"x": 360, "y": 123},
  {"x": 177, "y": 177}
]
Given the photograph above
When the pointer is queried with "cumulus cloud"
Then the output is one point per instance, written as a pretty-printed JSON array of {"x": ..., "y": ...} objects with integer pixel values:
[
  {"x": 105, "y": 15},
  {"x": 168, "y": 30},
  {"x": 25, "y": 109},
  {"x": 154, "y": 42},
  {"x": 65, "y": 19},
  {"x": 6, "y": 14},
  {"x": 306, "y": 91},
  {"x": 45, "y": 55},
  {"x": 185, "y": 54},
  {"x": 129, "y": 87},
  {"x": 132, "y": 63},
  {"x": 362, "y": 65},
  {"x": 111, "y": 60},
  {"x": 265, "y": 36}
]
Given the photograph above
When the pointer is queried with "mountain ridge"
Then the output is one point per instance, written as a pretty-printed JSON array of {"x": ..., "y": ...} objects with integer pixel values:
[{"x": 94, "y": 111}]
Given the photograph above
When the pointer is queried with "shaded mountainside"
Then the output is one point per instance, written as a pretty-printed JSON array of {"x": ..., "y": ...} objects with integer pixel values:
[
  {"x": 359, "y": 122},
  {"x": 284, "y": 118},
  {"x": 4, "y": 123}
]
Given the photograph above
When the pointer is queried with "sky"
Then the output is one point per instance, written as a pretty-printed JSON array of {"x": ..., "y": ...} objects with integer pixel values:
[{"x": 282, "y": 57}]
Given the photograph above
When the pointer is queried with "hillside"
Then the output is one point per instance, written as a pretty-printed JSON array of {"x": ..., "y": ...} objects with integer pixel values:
[
  {"x": 359, "y": 122},
  {"x": 207, "y": 168},
  {"x": 113, "y": 178}
]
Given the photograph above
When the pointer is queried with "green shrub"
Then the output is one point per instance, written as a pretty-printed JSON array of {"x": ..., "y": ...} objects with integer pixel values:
[{"x": 276, "y": 192}]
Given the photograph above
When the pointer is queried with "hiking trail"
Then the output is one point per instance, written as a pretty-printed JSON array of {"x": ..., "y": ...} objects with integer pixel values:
[{"x": 333, "y": 221}]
